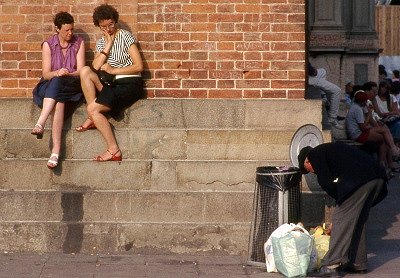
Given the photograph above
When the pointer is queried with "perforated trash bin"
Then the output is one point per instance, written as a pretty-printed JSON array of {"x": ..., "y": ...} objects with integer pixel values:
[{"x": 277, "y": 200}]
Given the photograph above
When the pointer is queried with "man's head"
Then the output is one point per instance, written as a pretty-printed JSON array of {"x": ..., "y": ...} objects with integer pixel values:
[
  {"x": 302, "y": 158},
  {"x": 361, "y": 97}
]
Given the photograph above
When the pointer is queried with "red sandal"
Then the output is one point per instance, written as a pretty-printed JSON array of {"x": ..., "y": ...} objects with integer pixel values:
[
  {"x": 113, "y": 157},
  {"x": 82, "y": 128}
]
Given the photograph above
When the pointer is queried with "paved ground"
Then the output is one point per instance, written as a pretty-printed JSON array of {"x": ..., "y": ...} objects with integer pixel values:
[{"x": 384, "y": 257}]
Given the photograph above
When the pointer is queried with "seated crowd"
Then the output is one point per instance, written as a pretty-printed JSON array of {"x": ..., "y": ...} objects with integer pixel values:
[{"x": 373, "y": 118}]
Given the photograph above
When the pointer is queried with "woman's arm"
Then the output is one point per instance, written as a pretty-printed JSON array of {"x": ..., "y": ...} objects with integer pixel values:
[
  {"x": 100, "y": 58},
  {"x": 80, "y": 59},
  {"x": 394, "y": 106},
  {"x": 47, "y": 74}
]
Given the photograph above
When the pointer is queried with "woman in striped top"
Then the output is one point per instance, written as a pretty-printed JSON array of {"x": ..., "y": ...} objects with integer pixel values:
[{"x": 116, "y": 54}]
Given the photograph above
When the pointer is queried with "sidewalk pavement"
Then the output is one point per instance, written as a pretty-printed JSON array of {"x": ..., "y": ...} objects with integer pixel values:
[{"x": 383, "y": 243}]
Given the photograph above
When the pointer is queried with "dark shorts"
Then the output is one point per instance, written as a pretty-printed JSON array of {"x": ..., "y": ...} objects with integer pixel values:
[
  {"x": 363, "y": 137},
  {"x": 119, "y": 97}
]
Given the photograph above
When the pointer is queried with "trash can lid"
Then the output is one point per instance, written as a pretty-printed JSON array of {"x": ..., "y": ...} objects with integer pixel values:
[{"x": 306, "y": 135}]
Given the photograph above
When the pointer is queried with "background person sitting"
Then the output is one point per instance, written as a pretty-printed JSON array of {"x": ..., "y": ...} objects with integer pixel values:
[
  {"x": 317, "y": 78},
  {"x": 362, "y": 128},
  {"x": 385, "y": 105}
]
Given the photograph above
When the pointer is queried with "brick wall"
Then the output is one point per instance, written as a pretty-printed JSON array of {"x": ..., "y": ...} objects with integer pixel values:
[{"x": 191, "y": 48}]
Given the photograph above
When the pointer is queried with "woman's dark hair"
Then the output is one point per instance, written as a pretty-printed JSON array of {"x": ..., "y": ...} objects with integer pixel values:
[
  {"x": 62, "y": 18},
  {"x": 104, "y": 12},
  {"x": 384, "y": 84},
  {"x": 369, "y": 85}
]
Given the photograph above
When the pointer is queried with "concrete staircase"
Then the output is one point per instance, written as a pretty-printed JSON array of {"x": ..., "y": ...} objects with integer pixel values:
[{"x": 185, "y": 184}]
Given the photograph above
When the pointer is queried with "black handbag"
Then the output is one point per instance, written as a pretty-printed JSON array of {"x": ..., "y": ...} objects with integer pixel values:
[{"x": 107, "y": 79}]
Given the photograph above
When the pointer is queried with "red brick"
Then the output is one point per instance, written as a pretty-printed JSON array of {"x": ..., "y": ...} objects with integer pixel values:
[
  {"x": 253, "y": 46},
  {"x": 153, "y": 83},
  {"x": 14, "y": 92},
  {"x": 254, "y": 74},
  {"x": 275, "y": 74},
  {"x": 9, "y": 83},
  {"x": 199, "y": 65},
  {"x": 172, "y": 36},
  {"x": 175, "y": 74},
  {"x": 198, "y": 27},
  {"x": 175, "y": 93},
  {"x": 224, "y": 74},
  {"x": 226, "y": 8},
  {"x": 224, "y": 84},
  {"x": 297, "y": 56},
  {"x": 225, "y": 45},
  {"x": 199, "y": 37},
  {"x": 9, "y": 65},
  {"x": 198, "y": 93},
  {"x": 175, "y": 55},
  {"x": 252, "y": 93},
  {"x": 199, "y": 18},
  {"x": 226, "y": 18},
  {"x": 296, "y": 94},
  {"x": 287, "y": 84},
  {"x": 251, "y": 83},
  {"x": 228, "y": 55},
  {"x": 225, "y": 65},
  {"x": 9, "y": 46},
  {"x": 199, "y": 83},
  {"x": 198, "y": 74},
  {"x": 274, "y": 94},
  {"x": 225, "y": 93},
  {"x": 198, "y": 56},
  {"x": 200, "y": 8},
  {"x": 300, "y": 75},
  {"x": 30, "y": 65},
  {"x": 172, "y": 83},
  {"x": 208, "y": 46},
  {"x": 27, "y": 83},
  {"x": 150, "y": 27},
  {"x": 288, "y": 28},
  {"x": 168, "y": 46}
]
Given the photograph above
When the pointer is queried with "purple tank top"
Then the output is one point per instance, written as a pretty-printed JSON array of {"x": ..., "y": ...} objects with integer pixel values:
[{"x": 57, "y": 58}]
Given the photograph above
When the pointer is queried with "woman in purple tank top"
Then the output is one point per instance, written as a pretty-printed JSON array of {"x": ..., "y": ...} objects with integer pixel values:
[{"x": 63, "y": 56}]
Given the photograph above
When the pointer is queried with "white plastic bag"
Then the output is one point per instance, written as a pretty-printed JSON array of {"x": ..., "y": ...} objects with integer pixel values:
[
  {"x": 292, "y": 252},
  {"x": 268, "y": 250}
]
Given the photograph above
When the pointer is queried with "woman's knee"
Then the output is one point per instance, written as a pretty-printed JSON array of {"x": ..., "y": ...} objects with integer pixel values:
[{"x": 85, "y": 71}]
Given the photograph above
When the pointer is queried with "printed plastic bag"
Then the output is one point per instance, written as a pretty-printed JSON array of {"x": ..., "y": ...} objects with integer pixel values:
[
  {"x": 292, "y": 252},
  {"x": 268, "y": 250}
]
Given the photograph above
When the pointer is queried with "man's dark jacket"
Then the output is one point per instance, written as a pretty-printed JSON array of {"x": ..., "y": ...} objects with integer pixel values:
[{"x": 342, "y": 169}]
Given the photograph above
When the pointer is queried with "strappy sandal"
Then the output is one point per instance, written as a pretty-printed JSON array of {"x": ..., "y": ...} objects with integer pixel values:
[
  {"x": 113, "y": 157},
  {"x": 38, "y": 130},
  {"x": 53, "y": 161},
  {"x": 82, "y": 128}
]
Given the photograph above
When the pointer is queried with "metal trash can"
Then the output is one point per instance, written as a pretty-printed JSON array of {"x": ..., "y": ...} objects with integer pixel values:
[{"x": 277, "y": 200}]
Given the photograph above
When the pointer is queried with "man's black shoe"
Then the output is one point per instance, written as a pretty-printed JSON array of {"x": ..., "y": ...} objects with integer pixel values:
[
  {"x": 352, "y": 270},
  {"x": 327, "y": 272}
]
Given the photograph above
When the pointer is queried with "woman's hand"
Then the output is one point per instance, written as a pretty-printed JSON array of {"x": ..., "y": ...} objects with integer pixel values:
[
  {"x": 62, "y": 72},
  {"x": 109, "y": 38},
  {"x": 107, "y": 68}
]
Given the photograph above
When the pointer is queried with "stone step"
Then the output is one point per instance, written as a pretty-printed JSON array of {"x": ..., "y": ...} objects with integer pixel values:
[
  {"x": 83, "y": 175},
  {"x": 219, "y": 114},
  {"x": 155, "y": 144},
  {"x": 127, "y": 206},
  {"x": 93, "y": 238}
]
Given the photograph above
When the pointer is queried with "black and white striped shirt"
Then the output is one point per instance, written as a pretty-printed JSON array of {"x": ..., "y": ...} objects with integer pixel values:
[{"x": 119, "y": 55}]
